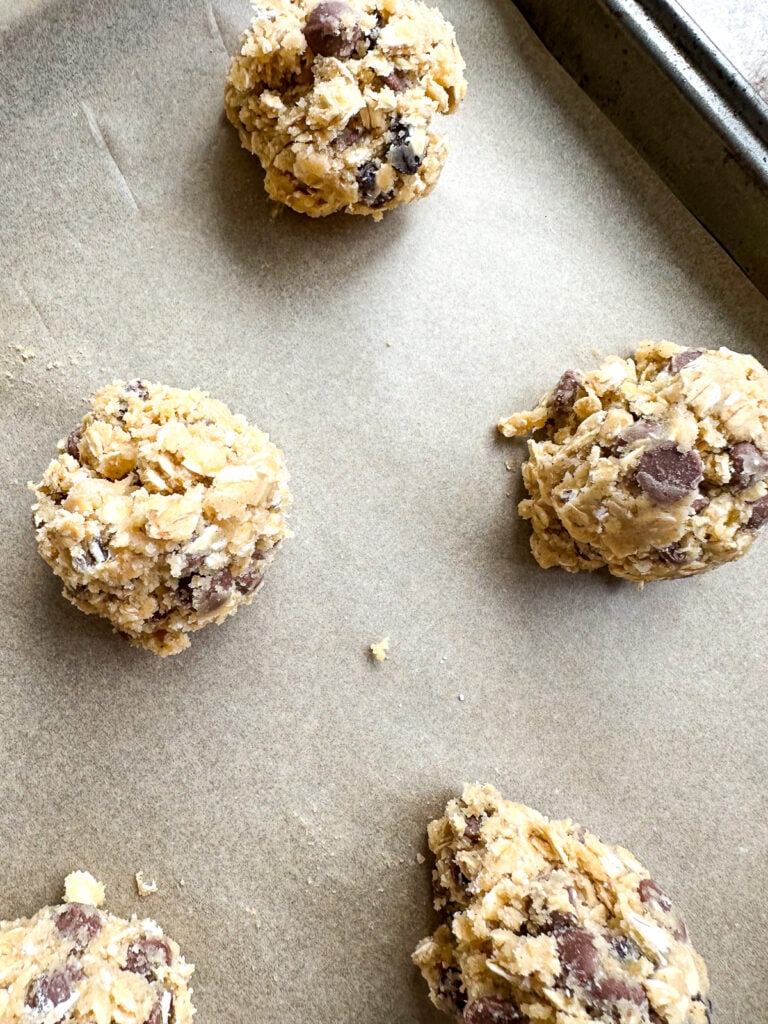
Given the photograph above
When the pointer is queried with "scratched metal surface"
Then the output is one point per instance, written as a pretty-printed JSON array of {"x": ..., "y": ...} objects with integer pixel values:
[{"x": 271, "y": 766}]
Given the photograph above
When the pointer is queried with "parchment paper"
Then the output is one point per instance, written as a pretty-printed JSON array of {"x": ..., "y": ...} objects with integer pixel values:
[{"x": 285, "y": 779}]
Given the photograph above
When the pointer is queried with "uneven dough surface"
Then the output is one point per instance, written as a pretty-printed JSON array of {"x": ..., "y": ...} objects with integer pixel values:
[
  {"x": 161, "y": 512},
  {"x": 337, "y": 101},
  {"x": 75, "y": 962},
  {"x": 656, "y": 467},
  {"x": 544, "y": 923}
]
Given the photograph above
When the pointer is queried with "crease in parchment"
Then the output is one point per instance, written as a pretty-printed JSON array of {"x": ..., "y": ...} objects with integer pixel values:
[
  {"x": 114, "y": 167},
  {"x": 215, "y": 27},
  {"x": 37, "y": 311}
]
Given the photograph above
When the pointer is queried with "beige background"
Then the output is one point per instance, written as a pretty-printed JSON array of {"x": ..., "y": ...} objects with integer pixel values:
[{"x": 272, "y": 766}]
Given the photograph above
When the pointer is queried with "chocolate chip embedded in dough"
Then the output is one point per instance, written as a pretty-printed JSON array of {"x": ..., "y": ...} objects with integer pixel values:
[
  {"x": 748, "y": 465},
  {"x": 624, "y": 947},
  {"x": 212, "y": 592},
  {"x": 472, "y": 827},
  {"x": 564, "y": 395},
  {"x": 616, "y": 990},
  {"x": 681, "y": 359},
  {"x": 48, "y": 991},
  {"x": 450, "y": 987},
  {"x": 759, "y": 514},
  {"x": 145, "y": 956},
  {"x": 396, "y": 81},
  {"x": 332, "y": 30},
  {"x": 401, "y": 153},
  {"x": 73, "y": 443},
  {"x": 79, "y": 923},
  {"x": 672, "y": 554},
  {"x": 578, "y": 954},
  {"x": 652, "y": 893},
  {"x": 492, "y": 1010},
  {"x": 667, "y": 474},
  {"x": 348, "y": 137}
]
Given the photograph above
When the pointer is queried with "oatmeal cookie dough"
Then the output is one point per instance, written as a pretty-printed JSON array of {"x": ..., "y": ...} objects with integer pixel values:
[
  {"x": 544, "y": 923},
  {"x": 656, "y": 467},
  {"x": 77, "y": 963},
  {"x": 161, "y": 512},
  {"x": 337, "y": 101}
]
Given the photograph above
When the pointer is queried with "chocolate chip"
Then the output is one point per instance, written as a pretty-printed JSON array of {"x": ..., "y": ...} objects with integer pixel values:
[
  {"x": 681, "y": 359},
  {"x": 624, "y": 947},
  {"x": 667, "y": 474},
  {"x": 639, "y": 431},
  {"x": 368, "y": 187},
  {"x": 748, "y": 465},
  {"x": 578, "y": 954},
  {"x": 450, "y": 987},
  {"x": 698, "y": 505},
  {"x": 492, "y": 1010},
  {"x": 48, "y": 991},
  {"x": 348, "y": 137},
  {"x": 396, "y": 81},
  {"x": 564, "y": 395},
  {"x": 557, "y": 922},
  {"x": 73, "y": 443},
  {"x": 145, "y": 956},
  {"x": 80, "y": 923},
  {"x": 651, "y": 892},
  {"x": 401, "y": 153},
  {"x": 615, "y": 990},
  {"x": 137, "y": 387},
  {"x": 332, "y": 30},
  {"x": 94, "y": 554},
  {"x": 672, "y": 554},
  {"x": 759, "y": 514},
  {"x": 212, "y": 592},
  {"x": 472, "y": 827},
  {"x": 249, "y": 581}
]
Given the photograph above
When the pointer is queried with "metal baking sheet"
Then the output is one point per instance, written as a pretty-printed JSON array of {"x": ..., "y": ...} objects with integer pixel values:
[
  {"x": 272, "y": 768},
  {"x": 680, "y": 100}
]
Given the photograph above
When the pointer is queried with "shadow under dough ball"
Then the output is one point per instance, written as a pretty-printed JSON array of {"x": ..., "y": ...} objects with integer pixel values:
[
  {"x": 541, "y": 921},
  {"x": 337, "y": 100},
  {"x": 656, "y": 467},
  {"x": 75, "y": 962},
  {"x": 162, "y": 512}
]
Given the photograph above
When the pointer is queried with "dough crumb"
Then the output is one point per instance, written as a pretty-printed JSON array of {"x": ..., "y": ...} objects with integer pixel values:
[
  {"x": 82, "y": 887},
  {"x": 380, "y": 650},
  {"x": 144, "y": 888},
  {"x": 420, "y": 858}
]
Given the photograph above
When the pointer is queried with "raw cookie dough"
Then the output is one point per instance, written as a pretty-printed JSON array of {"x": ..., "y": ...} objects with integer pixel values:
[
  {"x": 77, "y": 963},
  {"x": 543, "y": 923},
  {"x": 162, "y": 512},
  {"x": 655, "y": 467},
  {"x": 337, "y": 101}
]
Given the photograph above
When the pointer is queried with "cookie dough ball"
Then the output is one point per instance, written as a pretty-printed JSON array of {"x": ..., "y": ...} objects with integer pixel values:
[
  {"x": 656, "y": 467},
  {"x": 544, "y": 923},
  {"x": 77, "y": 963},
  {"x": 337, "y": 101},
  {"x": 162, "y": 512}
]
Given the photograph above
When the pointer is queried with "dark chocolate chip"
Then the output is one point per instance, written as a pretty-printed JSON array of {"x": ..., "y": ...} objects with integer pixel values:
[
  {"x": 624, "y": 947},
  {"x": 748, "y": 465},
  {"x": 564, "y": 395},
  {"x": 145, "y": 956},
  {"x": 212, "y": 592},
  {"x": 249, "y": 581},
  {"x": 759, "y": 514},
  {"x": 450, "y": 987},
  {"x": 651, "y": 892},
  {"x": 681, "y": 359},
  {"x": 698, "y": 505},
  {"x": 492, "y": 1010},
  {"x": 137, "y": 387},
  {"x": 667, "y": 474},
  {"x": 332, "y": 30},
  {"x": 396, "y": 81},
  {"x": 94, "y": 554},
  {"x": 472, "y": 827},
  {"x": 73, "y": 443},
  {"x": 615, "y": 990},
  {"x": 348, "y": 137},
  {"x": 401, "y": 153},
  {"x": 638, "y": 431},
  {"x": 366, "y": 180},
  {"x": 557, "y": 922},
  {"x": 48, "y": 991},
  {"x": 80, "y": 923},
  {"x": 672, "y": 554},
  {"x": 578, "y": 954}
]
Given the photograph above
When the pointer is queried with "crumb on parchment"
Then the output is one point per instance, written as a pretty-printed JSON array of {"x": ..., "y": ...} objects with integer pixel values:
[
  {"x": 144, "y": 888},
  {"x": 380, "y": 649},
  {"x": 82, "y": 887}
]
